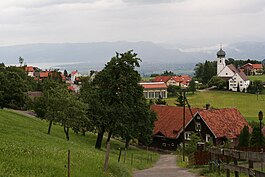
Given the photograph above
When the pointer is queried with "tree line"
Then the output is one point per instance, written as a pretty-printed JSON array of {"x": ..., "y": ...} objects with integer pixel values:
[{"x": 111, "y": 103}]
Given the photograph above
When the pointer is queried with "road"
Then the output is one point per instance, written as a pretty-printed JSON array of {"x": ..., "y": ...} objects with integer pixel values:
[{"x": 165, "y": 167}]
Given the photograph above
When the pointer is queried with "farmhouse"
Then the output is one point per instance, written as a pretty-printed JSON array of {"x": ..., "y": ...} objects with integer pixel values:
[
  {"x": 154, "y": 90},
  {"x": 216, "y": 125},
  {"x": 252, "y": 69},
  {"x": 182, "y": 81},
  {"x": 237, "y": 80}
]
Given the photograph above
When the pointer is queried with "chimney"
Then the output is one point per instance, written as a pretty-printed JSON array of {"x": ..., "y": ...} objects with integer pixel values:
[{"x": 207, "y": 106}]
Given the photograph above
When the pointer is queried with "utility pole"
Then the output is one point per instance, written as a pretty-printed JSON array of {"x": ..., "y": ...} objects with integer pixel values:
[{"x": 184, "y": 113}]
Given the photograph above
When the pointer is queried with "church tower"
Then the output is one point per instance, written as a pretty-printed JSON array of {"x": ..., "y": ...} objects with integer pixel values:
[{"x": 220, "y": 60}]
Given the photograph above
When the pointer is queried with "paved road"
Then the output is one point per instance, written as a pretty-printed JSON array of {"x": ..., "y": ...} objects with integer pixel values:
[{"x": 165, "y": 167}]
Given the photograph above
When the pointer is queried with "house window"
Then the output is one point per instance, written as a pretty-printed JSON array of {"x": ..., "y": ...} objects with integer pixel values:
[
  {"x": 240, "y": 81},
  {"x": 207, "y": 137},
  {"x": 164, "y": 144},
  {"x": 163, "y": 94},
  {"x": 172, "y": 144},
  {"x": 226, "y": 73},
  {"x": 198, "y": 126},
  {"x": 198, "y": 117},
  {"x": 157, "y": 94},
  {"x": 151, "y": 94},
  {"x": 187, "y": 135},
  {"x": 145, "y": 94}
]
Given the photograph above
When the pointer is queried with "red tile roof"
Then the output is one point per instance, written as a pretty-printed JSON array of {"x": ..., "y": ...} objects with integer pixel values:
[
  {"x": 44, "y": 74},
  {"x": 29, "y": 69},
  {"x": 71, "y": 88},
  {"x": 161, "y": 78},
  {"x": 154, "y": 85},
  {"x": 184, "y": 79},
  {"x": 227, "y": 122},
  {"x": 170, "y": 119},
  {"x": 257, "y": 66},
  {"x": 74, "y": 72}
]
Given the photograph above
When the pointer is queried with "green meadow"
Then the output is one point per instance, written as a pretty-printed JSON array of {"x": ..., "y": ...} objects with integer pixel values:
[
  {"x": 248, "y": 104},
  {"x": 27, "y": 150},
  {"x": 257, "y": 77}
]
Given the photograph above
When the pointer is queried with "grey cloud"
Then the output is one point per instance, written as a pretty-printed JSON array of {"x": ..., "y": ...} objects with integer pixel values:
[
  {"x": 152, "y": 1},
  {"x": 45, "y": 3}
]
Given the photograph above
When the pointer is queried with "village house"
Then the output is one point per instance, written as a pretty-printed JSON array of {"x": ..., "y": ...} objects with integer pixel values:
[
  {"x": 252, "y": 69},
  {"x": 182, "y": 81},
  {"x": 75, "y": 76},
  {"x": 216, "y": 125},
  {"x": 237, "y": 80},
  {"x": 29, "y": 70},
  {"x": 154, "y": 90}
]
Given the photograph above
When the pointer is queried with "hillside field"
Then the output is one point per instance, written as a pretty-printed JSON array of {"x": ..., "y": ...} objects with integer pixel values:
[
  {"x": 27, "y": 150},
  {"x": 248, "y": 104},
  {"x": 257, "y": 77}
]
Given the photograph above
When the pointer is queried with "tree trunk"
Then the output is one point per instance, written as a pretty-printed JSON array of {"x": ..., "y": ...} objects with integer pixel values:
[
  {"x": 109, "y": 136},
  {"x": 127, "y": 143},
  {"x": 66, "y": 131},
  {"x": 100, "y": 138},
  {"x": 50, "y": 127}
]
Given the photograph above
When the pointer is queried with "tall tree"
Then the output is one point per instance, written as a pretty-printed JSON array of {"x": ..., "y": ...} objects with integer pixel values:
[
  {"x": 192, "y": 86},
  {"x": 112, "y": 109},
  {"x": 257, "y": 137},
  {"x": 244, "y": 137},
  {"x": 20, "y": 60}
]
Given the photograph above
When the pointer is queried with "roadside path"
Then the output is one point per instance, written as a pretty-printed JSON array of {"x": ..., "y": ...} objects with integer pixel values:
[{"x": 165, "y": 167}]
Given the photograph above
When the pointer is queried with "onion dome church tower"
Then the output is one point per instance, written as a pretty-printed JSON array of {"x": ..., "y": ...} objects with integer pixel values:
[{"x": 220, "y": 60}]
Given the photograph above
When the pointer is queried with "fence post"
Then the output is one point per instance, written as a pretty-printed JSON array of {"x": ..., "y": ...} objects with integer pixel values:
[
  {"x": 119, "y": 158},
  {"x": 107, "y": 157},
  {"x": 218, "y": 165},
  {"x": 124, "y": 156},
  {"x": 262, "y": 160},
  {"x": 250, "y": 165},
  {"x": 132, "y": 159},
  {"x": 235, "y": 163},
  {"x": 68, "y": 163},
  {"x": 227, "y": 170}
]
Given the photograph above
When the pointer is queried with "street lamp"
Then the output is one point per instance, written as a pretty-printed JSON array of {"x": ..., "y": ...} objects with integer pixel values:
[{"x": 260, "y": 119}]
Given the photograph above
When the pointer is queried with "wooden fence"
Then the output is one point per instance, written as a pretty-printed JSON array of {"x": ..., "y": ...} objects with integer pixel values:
[
  {"x": 199, "y": 158},
  {"x": 217, "y": 154}
]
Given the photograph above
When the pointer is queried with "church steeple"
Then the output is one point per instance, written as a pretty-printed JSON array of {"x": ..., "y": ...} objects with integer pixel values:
[
  {"x": 221, "y": 53},
  {"x": 220, "y": 60}
]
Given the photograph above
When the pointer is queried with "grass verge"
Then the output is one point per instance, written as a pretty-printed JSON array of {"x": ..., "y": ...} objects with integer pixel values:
[{"x": 27, "y": 150}]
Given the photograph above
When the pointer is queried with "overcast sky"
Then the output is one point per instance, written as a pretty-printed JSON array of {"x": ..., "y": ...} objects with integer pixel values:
[{"x": 189, "y": 22}]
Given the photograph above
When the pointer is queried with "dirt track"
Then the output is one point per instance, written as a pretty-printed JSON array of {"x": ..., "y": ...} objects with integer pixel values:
[{"x": 165, "y": 167}]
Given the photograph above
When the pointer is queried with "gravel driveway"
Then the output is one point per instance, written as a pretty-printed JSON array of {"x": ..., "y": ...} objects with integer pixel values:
[{"x": 165, "y": 167}]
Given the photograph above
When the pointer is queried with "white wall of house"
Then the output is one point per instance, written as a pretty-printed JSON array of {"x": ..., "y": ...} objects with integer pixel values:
[
  {"x": 155, "y": 93},
  {"x": 237, "y": 80},
  {"x": 73, "y": 76},
  {"x": 171, "y": 81},
  {"x": 226, "y": 72},
  {"x": 31, "y": 74}
]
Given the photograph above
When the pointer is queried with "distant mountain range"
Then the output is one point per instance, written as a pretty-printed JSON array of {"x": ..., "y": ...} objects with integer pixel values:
[{"x": 155, "y": 57}]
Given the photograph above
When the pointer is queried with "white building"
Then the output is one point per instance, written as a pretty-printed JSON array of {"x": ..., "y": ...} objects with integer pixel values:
[
  {"x": 75, "y": 74},
  {"x": 237, "y": 79}
]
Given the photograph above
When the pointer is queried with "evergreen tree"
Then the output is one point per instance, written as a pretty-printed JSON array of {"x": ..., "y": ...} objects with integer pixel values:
[
  {"x": 257, "y": 137},
  {"x": 192, "y": 86},
  {"x": 244, "y": 137},
  {"x": 180, "y": 100}
]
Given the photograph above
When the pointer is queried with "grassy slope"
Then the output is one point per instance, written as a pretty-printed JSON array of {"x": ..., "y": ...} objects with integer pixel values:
[
  {"x": 248, "y": 104},
  {"x": 257, "y": 77},
  {"x": 27, "y": 150}
]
